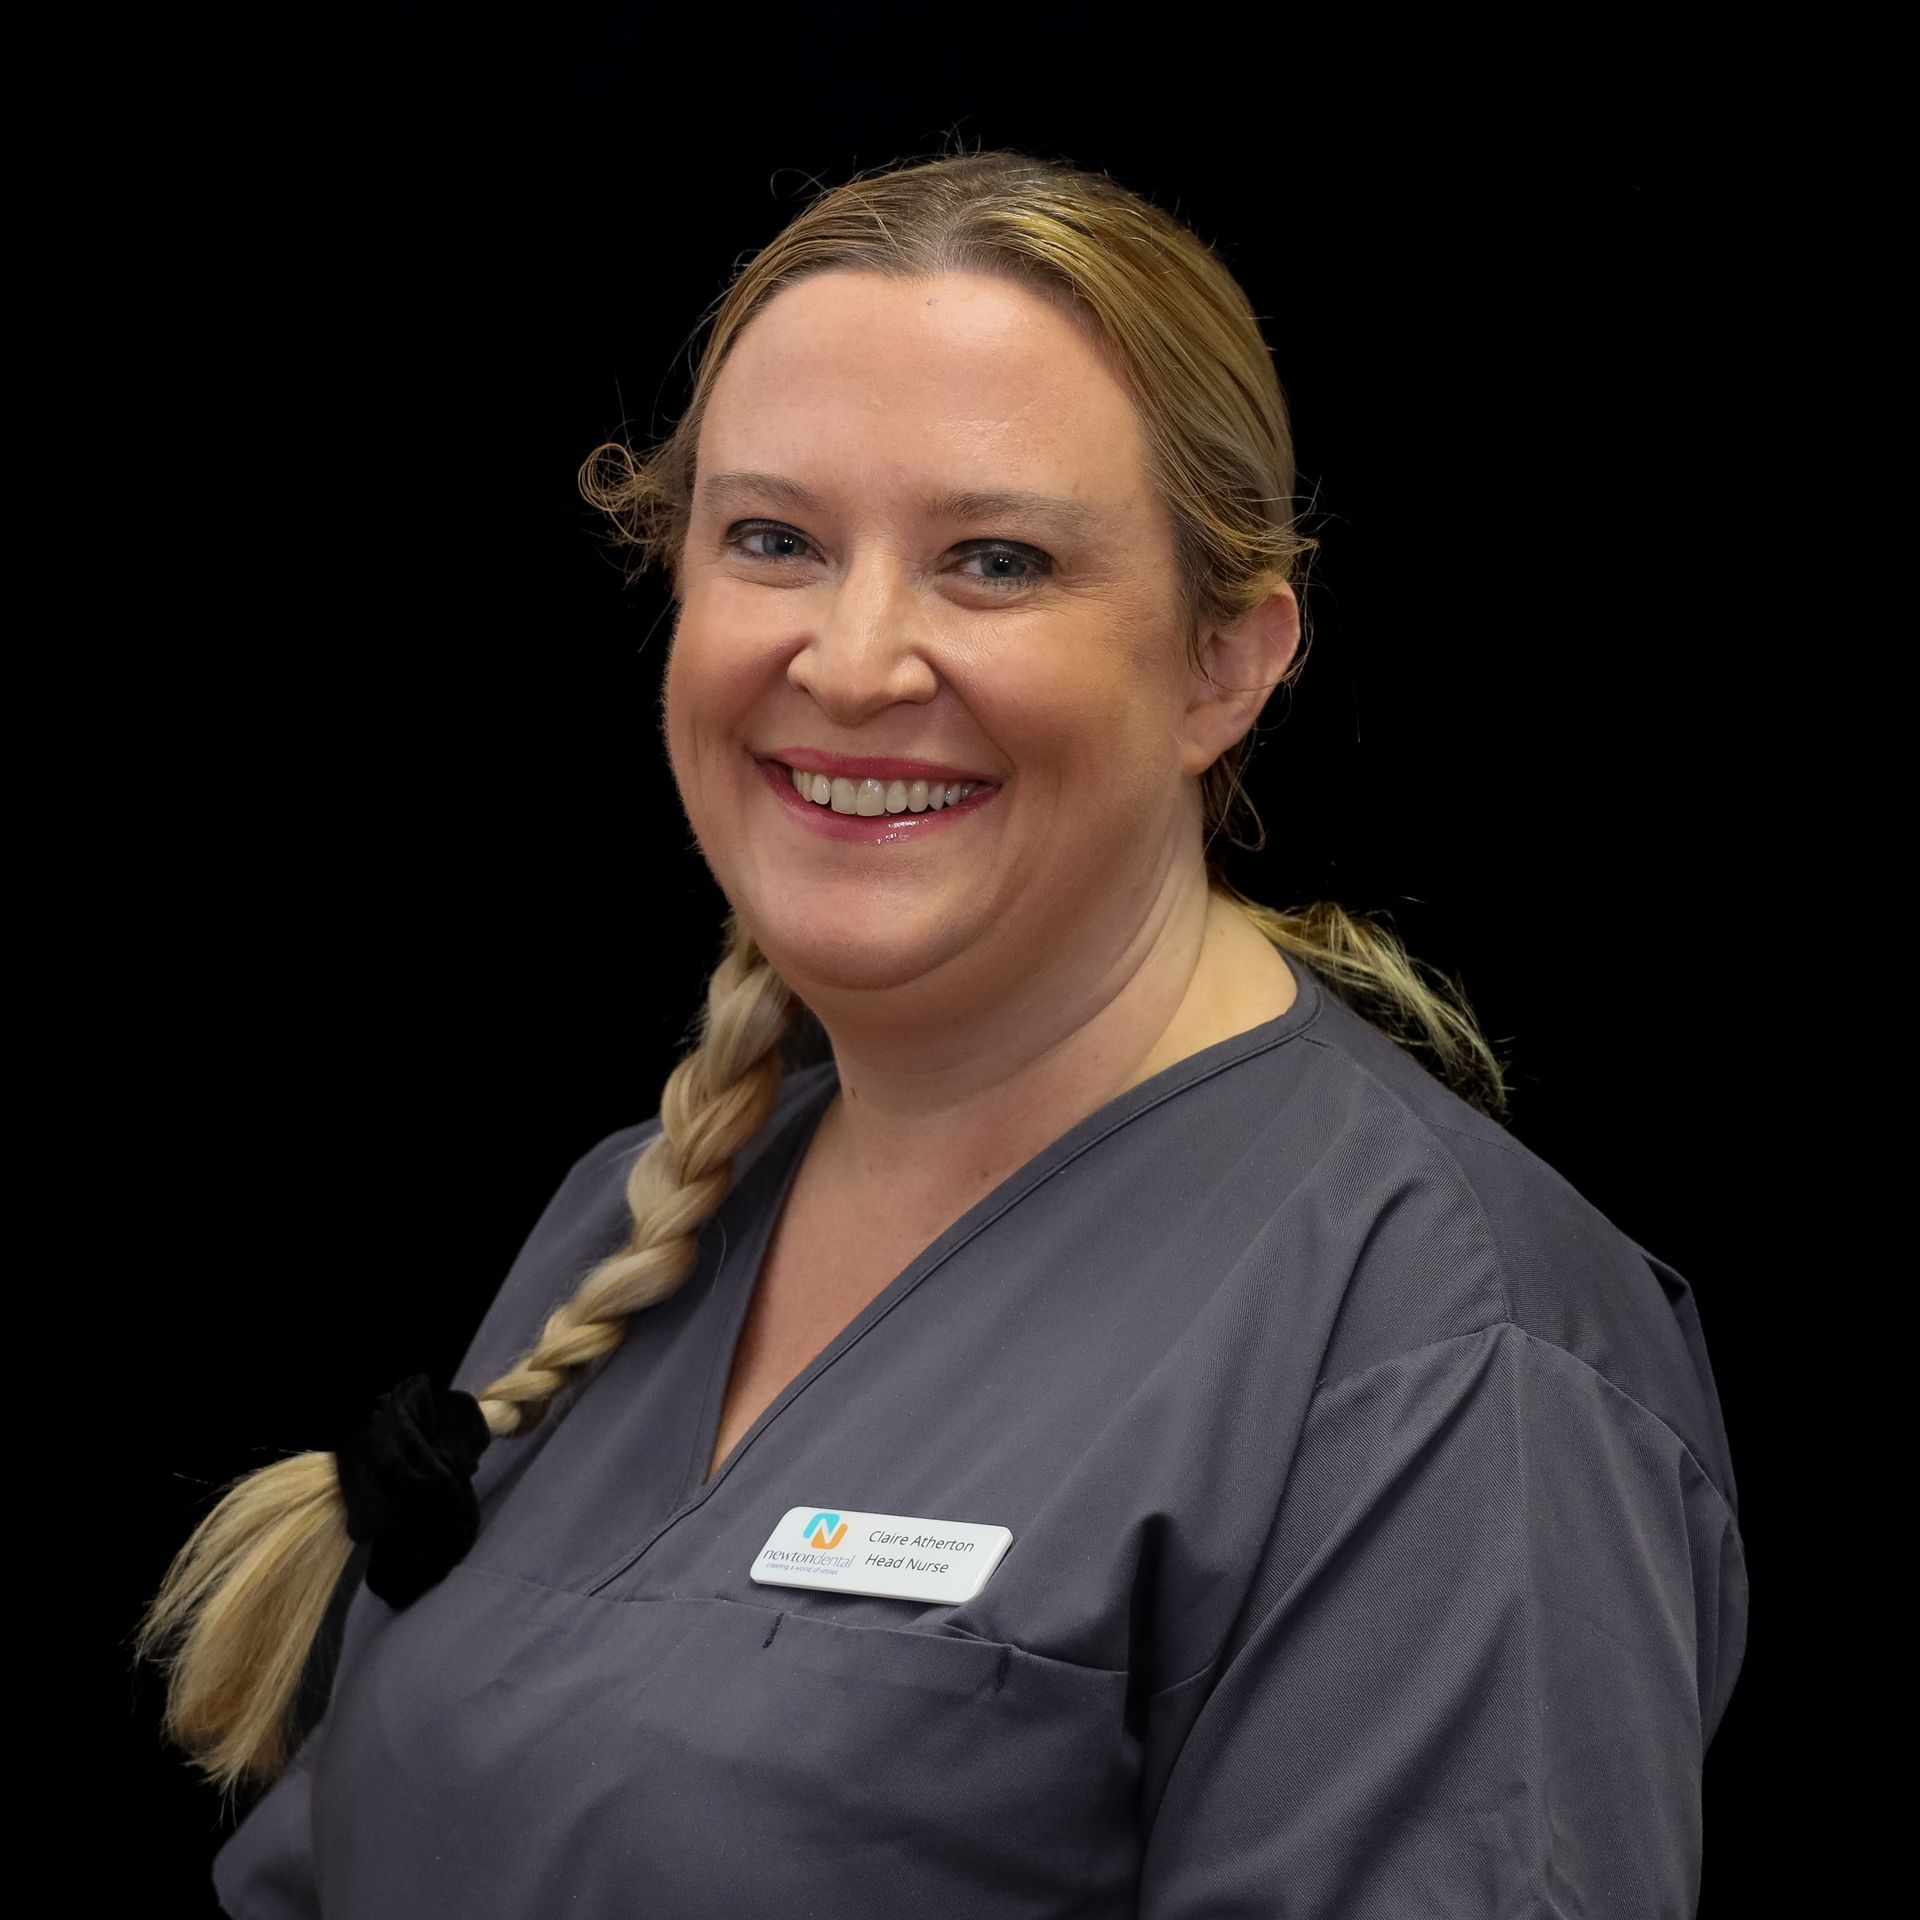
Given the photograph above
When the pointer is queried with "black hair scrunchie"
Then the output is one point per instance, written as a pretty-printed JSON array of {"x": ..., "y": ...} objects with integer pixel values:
[{"x": 406, "y": 1474}]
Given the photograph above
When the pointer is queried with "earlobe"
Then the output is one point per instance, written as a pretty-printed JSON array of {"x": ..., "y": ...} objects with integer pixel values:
[{"x": 1240, "y": 667}]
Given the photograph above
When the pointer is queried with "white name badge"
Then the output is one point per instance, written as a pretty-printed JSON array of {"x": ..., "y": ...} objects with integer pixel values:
[{"x": 884, "y": 1553}]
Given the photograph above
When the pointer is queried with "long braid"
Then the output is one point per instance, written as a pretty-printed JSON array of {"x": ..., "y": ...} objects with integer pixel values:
[
  {"x": 715, "y": 1101},
  {"x": 238, "y": 1609}
]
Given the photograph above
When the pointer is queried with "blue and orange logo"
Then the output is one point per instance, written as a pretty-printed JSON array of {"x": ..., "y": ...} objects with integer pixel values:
[{"x": 825, "y": 1531}]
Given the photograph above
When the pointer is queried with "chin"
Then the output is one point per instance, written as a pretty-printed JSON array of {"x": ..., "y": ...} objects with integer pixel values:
[{"x": 824, "y": 950}]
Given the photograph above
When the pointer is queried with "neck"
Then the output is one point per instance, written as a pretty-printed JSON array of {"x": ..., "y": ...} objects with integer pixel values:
[{"x": 931, "y": 1115}]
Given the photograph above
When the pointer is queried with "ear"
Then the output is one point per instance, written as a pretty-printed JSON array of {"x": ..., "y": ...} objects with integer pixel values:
[{"x": 1242, "y": 666}]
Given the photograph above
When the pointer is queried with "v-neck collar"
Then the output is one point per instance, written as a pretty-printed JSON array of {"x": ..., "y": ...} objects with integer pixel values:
[{"x": 774, "y": 1169}]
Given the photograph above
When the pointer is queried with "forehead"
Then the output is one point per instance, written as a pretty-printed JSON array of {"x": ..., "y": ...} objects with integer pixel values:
[{"x": 944, "y": 386}]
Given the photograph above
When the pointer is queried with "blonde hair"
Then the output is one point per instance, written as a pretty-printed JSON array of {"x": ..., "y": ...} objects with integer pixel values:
[
  {"x": 239, "y": 1608},
  {"x": 1180, "y": 333}
]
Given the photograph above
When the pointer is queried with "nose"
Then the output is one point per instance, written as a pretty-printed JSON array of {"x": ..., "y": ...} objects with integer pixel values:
[{"x": 867, "y": 650}]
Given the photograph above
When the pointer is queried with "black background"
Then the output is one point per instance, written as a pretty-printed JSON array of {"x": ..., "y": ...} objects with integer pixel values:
[{"x": 404, "y": 913}]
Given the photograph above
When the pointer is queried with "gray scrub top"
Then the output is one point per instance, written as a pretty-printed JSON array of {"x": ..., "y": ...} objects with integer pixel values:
[{"x": 1374, "y": 1553}]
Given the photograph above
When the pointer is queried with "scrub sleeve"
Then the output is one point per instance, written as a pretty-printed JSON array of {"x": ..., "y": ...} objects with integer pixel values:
[{"x": 1494, "y": 1633}]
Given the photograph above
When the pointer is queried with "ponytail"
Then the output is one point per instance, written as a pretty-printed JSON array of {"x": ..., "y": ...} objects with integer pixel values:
[{"x": 1369, "y": 970}]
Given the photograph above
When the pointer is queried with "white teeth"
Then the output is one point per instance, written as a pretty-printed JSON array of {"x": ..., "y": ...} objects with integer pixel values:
[{"x": 870, "y": 797}]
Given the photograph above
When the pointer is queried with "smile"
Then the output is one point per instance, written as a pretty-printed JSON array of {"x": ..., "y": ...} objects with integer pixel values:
[
  {"x": 873, "y": 811},
  {"x": 870, "y": 797}
]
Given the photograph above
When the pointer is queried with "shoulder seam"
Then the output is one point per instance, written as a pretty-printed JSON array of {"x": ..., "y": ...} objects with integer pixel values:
[
  {"x": 1551, "y": 1346},
  {"x": 1509, "y": 1146},
  {"x": 1514, "y": 1150},
  {"x": 1494, "y": 1326}
]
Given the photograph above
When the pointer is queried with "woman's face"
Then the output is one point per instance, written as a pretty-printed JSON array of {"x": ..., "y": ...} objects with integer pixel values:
[{"x": 849, "y": 613}]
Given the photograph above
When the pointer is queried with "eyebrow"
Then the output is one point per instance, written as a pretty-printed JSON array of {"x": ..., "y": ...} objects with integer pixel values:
[{"x": 953, "y": 503}]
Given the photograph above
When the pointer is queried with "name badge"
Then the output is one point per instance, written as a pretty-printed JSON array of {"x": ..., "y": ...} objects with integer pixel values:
[{"x": 884, "y": 1553}]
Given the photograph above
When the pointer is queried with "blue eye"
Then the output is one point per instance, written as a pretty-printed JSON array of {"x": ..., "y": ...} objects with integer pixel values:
[
  {"x": 1030, "y": 557},
  {"x": 737, "y": 534},
  {"x": 1036, "y": 564}
]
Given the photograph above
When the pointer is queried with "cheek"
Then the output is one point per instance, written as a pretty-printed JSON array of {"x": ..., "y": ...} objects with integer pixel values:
[
  {"x": 710, "y": 687},
  {"x": 679, "y": 699},
  {"x": 1103, "y": 715}
]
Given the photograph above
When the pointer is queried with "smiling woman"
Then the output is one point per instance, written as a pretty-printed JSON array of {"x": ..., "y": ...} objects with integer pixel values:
[{"x": 1356, "y": 1526}]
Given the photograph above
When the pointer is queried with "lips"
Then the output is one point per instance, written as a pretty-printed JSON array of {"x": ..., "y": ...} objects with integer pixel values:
[
  {"x": 847, "y": 821},
  {"x": 848, "y": 766}
]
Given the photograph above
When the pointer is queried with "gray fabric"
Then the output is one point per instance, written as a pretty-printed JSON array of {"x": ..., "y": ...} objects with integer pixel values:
[{"x": 1374, "y": 1554}]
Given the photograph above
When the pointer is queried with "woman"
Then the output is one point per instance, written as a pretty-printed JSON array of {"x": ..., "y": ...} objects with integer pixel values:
[{"x": 1120, "y": 1437}]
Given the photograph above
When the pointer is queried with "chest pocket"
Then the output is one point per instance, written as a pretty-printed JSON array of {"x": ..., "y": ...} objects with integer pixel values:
[
  {"x": 888, "y": 1771},
  {"x": 562, "y": 1753}
]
